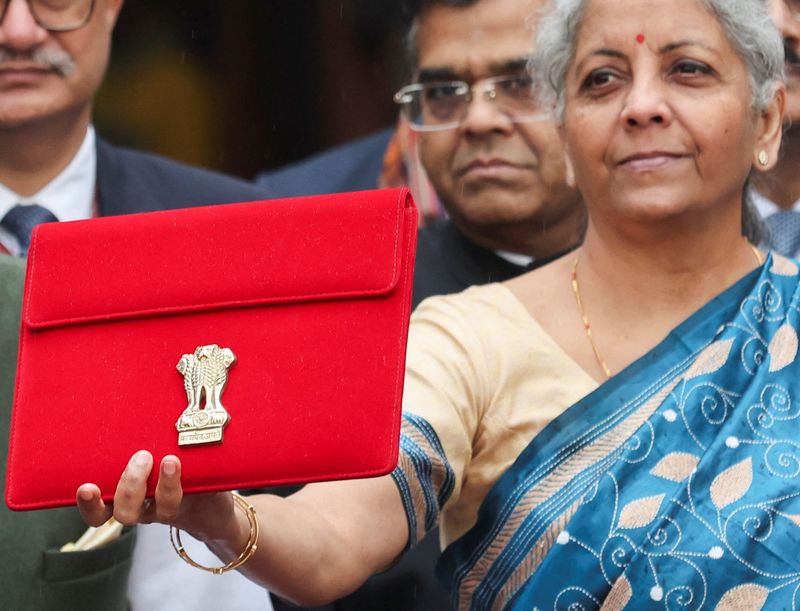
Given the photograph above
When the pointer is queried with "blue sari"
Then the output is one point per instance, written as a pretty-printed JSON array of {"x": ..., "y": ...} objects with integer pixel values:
[{"x": 674, "y": 485}]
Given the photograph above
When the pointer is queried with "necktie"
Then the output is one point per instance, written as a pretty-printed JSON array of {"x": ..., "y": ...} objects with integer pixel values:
[{"x": 21, "y": 220}]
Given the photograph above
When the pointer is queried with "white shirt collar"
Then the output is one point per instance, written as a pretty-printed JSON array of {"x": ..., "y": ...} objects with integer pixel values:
[
  {"x": 515, "y": 258},
  {"x": 766, "y": 207},
  {"x": 70, "y": 195}
]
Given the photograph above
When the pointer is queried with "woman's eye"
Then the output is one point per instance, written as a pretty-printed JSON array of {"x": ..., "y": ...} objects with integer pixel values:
[
  {"x": 691, "y": 67},
  {"x": 598, "y": 79}
]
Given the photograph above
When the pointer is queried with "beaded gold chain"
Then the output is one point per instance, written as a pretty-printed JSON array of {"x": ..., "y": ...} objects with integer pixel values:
[{"x": 588, "y": 327}]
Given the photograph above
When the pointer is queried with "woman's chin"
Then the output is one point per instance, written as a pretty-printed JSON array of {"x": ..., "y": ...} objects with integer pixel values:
[{"x": 652, "y": 210}]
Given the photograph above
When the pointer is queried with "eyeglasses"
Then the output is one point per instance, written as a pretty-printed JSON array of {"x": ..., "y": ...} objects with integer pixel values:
[
  {"x": 444, "y": 105},
  {"x": 56, "y": 15}
]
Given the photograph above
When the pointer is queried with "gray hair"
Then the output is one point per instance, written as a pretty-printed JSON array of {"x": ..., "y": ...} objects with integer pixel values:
[{"x": 746, "y": 24}]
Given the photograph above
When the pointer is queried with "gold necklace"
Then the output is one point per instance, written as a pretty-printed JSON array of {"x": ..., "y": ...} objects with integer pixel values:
[
  {"x": 588, "y": 327},
  {"x": 756, "y": 252}
]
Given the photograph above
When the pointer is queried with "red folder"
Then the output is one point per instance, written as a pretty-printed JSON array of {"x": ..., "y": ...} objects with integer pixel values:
[{"x": 311, "y": 296}]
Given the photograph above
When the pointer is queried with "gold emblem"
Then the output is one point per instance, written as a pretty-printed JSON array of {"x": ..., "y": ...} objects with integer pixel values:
[{"x": 205, "y": 373}]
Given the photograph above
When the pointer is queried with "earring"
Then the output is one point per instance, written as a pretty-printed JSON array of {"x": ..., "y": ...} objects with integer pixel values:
[
  {"x": 569, "y": 177},
  {"x": 763, "y": 158}
]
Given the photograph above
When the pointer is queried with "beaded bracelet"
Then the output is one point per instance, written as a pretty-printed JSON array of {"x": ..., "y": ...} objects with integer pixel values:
[{"x": 249, "y": 549}]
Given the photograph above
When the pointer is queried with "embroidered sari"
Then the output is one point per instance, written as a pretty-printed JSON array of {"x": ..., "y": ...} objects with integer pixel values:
[{"x": 674, "y": 485}]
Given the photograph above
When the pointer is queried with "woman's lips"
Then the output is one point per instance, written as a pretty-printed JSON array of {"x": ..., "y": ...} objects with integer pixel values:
[{"x": 645, "y": 162}]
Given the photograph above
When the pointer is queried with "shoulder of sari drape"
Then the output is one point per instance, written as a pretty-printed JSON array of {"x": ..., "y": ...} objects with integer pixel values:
[{"x": 662, "y": 419}]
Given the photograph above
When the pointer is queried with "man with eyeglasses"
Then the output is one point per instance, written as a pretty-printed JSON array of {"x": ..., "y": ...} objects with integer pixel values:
[
  {"x": 777, "y": 194},
  {"x": 491, "y": 152},
  {"x": 53, "y": 55},
  {"x": 496, "y": 162}
]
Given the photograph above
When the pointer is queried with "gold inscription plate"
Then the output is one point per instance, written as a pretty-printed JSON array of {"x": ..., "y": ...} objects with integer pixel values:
[{"x": 205, "y": 374}]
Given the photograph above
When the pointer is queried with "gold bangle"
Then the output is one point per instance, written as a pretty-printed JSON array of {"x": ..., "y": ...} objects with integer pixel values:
[{"x": 249, "y": 549}]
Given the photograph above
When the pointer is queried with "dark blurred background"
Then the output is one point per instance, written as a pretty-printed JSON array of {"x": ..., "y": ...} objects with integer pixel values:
[{"x": 247, "y": 85}]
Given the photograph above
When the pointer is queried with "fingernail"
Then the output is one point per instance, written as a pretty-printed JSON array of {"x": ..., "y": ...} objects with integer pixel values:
[
  {"x": 140, "y": 458},
  {"x": 169, "y": 467},
  {"x": 85, "y": 495}
]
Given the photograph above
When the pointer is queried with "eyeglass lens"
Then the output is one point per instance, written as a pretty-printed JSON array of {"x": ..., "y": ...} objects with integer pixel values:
[
  {"x": 56, "y": 15},
  {"x": 445, "y": 105}
]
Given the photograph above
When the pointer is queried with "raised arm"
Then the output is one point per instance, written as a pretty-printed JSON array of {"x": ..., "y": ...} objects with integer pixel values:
[
  {"x": 324, "y": 541},
  {"x": 314, "y": 546}
]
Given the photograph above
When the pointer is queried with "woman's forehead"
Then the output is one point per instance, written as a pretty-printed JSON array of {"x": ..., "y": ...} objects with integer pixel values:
[{"x": 622, "y": 24}]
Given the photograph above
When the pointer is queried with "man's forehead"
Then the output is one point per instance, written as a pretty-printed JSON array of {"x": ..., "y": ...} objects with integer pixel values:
[
  {"x": 478, "y": 39},
  {"x": 471, "y": 70}
]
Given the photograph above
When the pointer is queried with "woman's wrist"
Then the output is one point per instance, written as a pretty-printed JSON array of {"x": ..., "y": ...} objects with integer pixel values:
[
  {"x": 224, "y": 530},
  {"x": 221, "y": 546}
]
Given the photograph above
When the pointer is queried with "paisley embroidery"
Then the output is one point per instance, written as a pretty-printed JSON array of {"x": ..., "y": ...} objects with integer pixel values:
[
  {"x": 783, "y": 348},
  {"x": 641, "y": 512},
  {"x": 676, "y": 466},
  {"x": 732, "y": 484}
]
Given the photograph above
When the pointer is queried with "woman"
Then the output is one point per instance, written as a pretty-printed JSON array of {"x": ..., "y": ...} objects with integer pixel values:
[{"x": 669, "y": 473}]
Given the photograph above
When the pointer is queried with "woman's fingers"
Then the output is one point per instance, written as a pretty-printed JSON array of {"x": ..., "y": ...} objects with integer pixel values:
[
  {"x": 132, "y": 487},
  {"x": 130, "y": 503},
  {"x": 169, "y": 493},
  {"x": 92, "y": 508}
]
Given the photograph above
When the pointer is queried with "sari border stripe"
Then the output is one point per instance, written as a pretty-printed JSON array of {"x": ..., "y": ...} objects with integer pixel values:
[{"x": 423, "y": 476}]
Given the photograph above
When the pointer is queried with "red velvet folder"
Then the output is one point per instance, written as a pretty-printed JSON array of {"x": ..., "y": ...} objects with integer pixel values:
[{"x": 311, "y": 296}]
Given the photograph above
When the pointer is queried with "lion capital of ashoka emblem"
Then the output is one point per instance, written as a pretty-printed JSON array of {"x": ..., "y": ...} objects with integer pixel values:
[{"x": 205, "y": 374}]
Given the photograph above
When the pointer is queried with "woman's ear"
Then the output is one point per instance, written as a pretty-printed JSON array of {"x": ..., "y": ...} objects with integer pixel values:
[{"x": 770, "y": 131}]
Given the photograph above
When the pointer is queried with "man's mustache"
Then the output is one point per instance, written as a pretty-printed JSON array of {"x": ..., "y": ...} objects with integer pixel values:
[{"x": 53, "y": 59}]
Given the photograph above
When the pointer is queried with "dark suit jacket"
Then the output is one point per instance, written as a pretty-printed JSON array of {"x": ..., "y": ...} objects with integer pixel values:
[
  {"x": 447, "y": 262},
  {"x": 34, "y": 575},
  {"x": 131, "y": 181},
  {"x": 354, "y": 166}
]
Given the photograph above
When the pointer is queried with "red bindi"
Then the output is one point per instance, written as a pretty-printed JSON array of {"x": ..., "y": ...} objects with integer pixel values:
[{"x": 640, "y": 38}]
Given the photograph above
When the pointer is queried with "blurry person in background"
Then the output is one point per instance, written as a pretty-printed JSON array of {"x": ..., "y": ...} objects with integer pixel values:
[
  {"x": 492, "y": 154},
  {"x": 777, "y": 194},
  {"x": 494, "y": 161},
  {"x": 53, "y": 56}
]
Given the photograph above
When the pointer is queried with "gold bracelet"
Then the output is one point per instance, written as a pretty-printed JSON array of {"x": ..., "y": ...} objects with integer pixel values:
[{"x": 249, "y": 549}]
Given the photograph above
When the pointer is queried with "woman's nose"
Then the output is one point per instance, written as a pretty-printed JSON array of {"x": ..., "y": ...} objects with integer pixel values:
[{"x": 646, "y": 104}]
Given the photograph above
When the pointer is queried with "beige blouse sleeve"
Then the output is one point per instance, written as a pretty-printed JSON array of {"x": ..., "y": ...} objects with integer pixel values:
[
  {"x": 482, "y": 379},
  {"x": 445, "y": 388}
]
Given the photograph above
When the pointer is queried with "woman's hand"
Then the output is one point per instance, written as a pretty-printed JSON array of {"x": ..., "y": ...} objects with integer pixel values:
[
  {"x": 203, "y": 515},
  {"x": 315, "y": 546}
]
